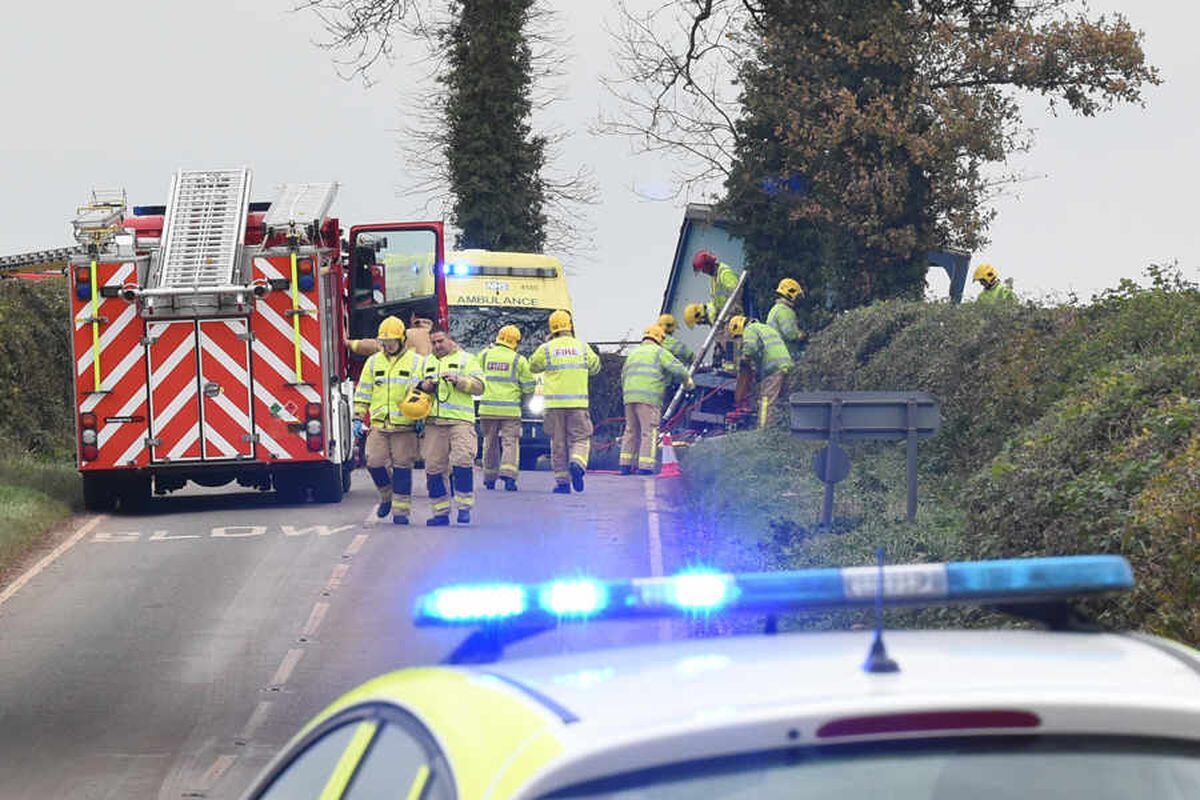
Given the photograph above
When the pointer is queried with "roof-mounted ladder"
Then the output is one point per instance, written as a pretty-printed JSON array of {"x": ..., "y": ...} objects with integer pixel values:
[{"x": 204, "y": 228}]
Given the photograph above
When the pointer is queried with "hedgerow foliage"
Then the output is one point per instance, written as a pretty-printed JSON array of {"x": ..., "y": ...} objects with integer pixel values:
[
  {"x": 36, "y": 409},
  {"x": 1067, "y": 429}
]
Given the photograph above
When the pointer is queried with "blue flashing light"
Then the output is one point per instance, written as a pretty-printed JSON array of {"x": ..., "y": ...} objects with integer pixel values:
[
  {"x": 700, "y": 591},
  {"x": 581, "y": 597},
  {"x": 460, "y": 270},
  {"x": 306, "y": 283},
  {"x": 474, "y": 602},
  {"x": 83, "y": 292},
  {"x": 707, "y": 591}
]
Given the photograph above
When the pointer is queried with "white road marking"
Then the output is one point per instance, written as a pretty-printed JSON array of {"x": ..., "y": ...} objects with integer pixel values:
[
  {"x": 117, "y": 536},
  {"x": 238, "y": 531},
  {"x": 50, "y": 557},
  {"x": 336, "y": 577},
  {"x": 219, "y": 768},
  {"x": 654, "y": 545},
  {"x": 286, "y": 666},
  {"x": 653, "y": 530},
  {"x": 356, "y": 545},
  {"x": 321, "y": 530},
  {"x": 257, "y": 718},
  {"x": 165, "y": 536},
  {"x": 315, "y": 619}
]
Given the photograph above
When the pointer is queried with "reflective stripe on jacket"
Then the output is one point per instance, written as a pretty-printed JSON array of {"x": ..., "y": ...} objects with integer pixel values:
[
  {"x": 678, "y": 349},
  {"x": 762, "y": 344},
  {"x": 724, "y": 281},
  {"x": 508, "y": 379},
  {"x": 384, "y": 383},
  {"x": 645, "y": 374},
  {"x": 567, "y": 363},
  {"x": 451, "y": 402},
  {"x": 782, "y": 317}
]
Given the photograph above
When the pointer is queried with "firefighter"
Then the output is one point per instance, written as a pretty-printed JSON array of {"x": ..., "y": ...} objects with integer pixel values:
[
  {"x": 994, "y": 292},
  {"x": 724, "y": 282},
  {"x": 648, "y": 369},
  {"x": 454, "y": 379},
  {"x": 509, "y": 381},
  {"x": 387, "y": 376},
  {"x": 782, "y": 316},
  {"x": 763, "y": 348},
  {"x": 673, "y": 346},
  {"x": 567, "y": 363}
]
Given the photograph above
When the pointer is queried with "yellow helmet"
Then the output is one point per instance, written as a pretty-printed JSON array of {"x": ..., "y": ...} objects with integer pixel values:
[
  {"x": 695, "y": 314},
  {"x": 417, "y": 404},
  {"x": 737, "y": 325},
  {"x": 667, "y": 322},
  {"x": 986, "y": 273},
  {"x": 391, "y": 328},
  {"x": 509, "y": 336},
  {"x": 789, "y": 289},
  {"x": 654, "y": 332},
  {"x": 560, "y": 322}
]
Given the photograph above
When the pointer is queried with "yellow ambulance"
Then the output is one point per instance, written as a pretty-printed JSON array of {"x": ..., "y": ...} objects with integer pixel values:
[{"x": 486, "y": 289}]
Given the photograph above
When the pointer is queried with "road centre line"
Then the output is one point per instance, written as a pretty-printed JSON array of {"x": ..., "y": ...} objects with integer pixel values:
[
  {"x": 287, "y": 666},
  {"x": 356, "y": 545},
  {"x": 336, "y": 577},
  {"x": 50, "y": 557},
  {"x": 314, "y": 619},
  {"x": 257, "y": 718}
]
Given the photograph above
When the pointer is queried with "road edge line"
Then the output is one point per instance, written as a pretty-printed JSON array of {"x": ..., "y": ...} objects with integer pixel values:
[{"x": 50, "y": 557}]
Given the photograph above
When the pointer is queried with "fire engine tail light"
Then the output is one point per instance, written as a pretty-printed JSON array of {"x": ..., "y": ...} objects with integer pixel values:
[
  {"x": 313, "y": 429},
  {"x": 304, "y": 270},
  {"x": 88, "y": 439}
]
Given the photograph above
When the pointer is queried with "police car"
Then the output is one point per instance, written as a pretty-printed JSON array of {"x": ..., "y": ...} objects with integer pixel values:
[{"x": 920, "y": 715}]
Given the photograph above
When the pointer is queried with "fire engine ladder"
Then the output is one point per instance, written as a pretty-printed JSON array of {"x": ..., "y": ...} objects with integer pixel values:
[{"x": 203, "y": 232}]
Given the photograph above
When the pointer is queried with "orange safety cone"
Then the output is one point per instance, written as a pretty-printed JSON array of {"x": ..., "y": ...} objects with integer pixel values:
[{"x": 670, "y": 466}]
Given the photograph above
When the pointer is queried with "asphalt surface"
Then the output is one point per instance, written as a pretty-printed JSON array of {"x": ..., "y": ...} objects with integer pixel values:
[{"x": 172, "y": 654}]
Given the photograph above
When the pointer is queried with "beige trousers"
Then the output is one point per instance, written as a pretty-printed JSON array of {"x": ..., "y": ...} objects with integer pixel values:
[
  {"x": 768, "y": 393},
  {"x": 641, "y": 435},
  {"x": 392, "y": 448},
  {"x": 449, "y": 443},
  {"x": 570, "y": 432},
  {"x": 501, "y": 446}
]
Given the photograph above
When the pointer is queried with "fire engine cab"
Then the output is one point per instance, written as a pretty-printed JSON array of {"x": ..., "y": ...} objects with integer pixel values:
[{"x": 210, "y": 335}]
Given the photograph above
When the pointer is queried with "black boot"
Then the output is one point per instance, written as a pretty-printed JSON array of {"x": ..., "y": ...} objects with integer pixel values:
[
  {"x": 626, "y": 469},
  {"x": 440, "y": 521},
  {"x": 577, "y": 477},
  {"x": 464, "y": 516},
  {"x": 400, "y": 519},
  {"x": 562, "y": 488},
  {"x": 510, "y": 484},
  {"x": 489, "y": 485},
  {"x": 379, "y": 475}
]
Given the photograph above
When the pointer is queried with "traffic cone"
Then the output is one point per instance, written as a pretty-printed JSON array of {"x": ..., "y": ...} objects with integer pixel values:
[{"x": 670, "y": 467}]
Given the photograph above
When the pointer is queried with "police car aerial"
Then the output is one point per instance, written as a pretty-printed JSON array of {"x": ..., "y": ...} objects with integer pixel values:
[{"x": 1069, "y": 712}]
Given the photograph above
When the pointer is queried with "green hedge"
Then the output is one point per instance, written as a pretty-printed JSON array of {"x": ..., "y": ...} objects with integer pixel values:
[
  {"x": 36, "y": 409},
  {"x": 1066, "y": 429}
]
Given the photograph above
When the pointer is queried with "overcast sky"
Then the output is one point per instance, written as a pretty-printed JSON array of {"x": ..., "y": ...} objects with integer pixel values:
[{"x": 124, "y": 94}]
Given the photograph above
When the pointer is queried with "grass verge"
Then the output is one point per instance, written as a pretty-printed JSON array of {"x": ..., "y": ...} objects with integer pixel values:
[{"x": 35, "y": 495}]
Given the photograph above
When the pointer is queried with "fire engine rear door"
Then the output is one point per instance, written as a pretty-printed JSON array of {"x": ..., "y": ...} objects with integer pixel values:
[
  {"x": 225, "y": 389},
  {"x": 174, "y": 391}
]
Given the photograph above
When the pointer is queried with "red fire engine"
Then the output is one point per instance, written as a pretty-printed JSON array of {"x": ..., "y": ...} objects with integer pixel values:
[{"x": 210, "y": 336}]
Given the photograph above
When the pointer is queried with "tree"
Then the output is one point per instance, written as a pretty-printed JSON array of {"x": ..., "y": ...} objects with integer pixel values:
[
  {"x": 475, "y": 147},
  {"x": 864, "y": 131},
  {"x": 494, "y": 159}
]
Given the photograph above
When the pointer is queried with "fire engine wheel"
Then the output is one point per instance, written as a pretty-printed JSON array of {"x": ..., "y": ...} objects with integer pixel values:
[
  {"x": 330, "y": 484},
  {"x": 347, "y": 475},
  {"x": 98, "y": 493}
]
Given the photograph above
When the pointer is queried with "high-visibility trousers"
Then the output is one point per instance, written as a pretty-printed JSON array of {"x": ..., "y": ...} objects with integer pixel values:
[
  {"x": 570, "y": 432},
  {"x": 398, "y": 449},
  {"x": 641, "y": 435},
  {"x": 501, "y": 447},
  {"x": 450, "y": 449}
]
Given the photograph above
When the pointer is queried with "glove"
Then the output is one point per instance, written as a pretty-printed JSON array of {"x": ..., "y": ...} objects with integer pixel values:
[
  {"x": 358, "y": 427},
  {"x": 691, "y": 384}
]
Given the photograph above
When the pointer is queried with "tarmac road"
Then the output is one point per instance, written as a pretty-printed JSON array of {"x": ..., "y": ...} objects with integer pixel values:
[{"x": 171, "y": 654}]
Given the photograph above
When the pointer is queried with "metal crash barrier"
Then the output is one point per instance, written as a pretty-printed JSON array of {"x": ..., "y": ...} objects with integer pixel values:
[{"x": 837, "y": 416}]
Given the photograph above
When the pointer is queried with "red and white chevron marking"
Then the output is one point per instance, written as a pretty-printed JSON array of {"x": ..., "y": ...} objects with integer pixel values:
[
  {"x": 121, "y": 405},
  {"x": 225, "y": 389},
  {"x": 279, "y": 401},
  {"x": 174, "y": 405}
]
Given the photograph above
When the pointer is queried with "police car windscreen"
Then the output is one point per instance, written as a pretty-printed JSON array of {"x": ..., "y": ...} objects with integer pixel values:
[
  {"x": 474, "y": 328},
  {"x": 991, "y": 768}
]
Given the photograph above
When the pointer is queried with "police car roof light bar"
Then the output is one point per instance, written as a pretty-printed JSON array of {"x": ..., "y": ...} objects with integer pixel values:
[{"x": 1009, "y": 583}]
